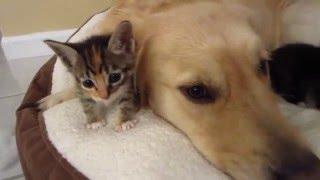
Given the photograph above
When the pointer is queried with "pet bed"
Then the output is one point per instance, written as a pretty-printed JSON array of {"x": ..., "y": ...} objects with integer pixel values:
[{"x": 56, "y": 145}]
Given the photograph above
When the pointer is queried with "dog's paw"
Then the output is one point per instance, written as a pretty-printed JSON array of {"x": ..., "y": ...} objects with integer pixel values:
[
  {"x": 96, "y": 125},
  {"x": 126, "y": 125}
]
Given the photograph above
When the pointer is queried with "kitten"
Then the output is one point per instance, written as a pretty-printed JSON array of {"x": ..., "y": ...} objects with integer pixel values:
[
  {"x": 295, "y": 74},
  {"x": 103, "y": 67}
]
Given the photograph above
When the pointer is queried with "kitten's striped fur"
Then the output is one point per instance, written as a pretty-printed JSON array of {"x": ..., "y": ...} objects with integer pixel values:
[{"x": 103, "y": 67}]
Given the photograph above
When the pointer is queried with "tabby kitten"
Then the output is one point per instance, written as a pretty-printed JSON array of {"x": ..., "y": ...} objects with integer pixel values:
[{"x": 103, "y": 67}]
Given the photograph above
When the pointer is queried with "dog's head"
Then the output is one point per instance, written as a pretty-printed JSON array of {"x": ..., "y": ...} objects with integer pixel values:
[{"x": 202, "y": 75}]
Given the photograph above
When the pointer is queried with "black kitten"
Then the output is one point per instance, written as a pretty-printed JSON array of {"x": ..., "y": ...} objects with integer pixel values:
[{"x": 295, "y": 73}]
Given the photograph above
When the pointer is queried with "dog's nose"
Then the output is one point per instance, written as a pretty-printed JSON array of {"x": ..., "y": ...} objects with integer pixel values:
[{"x": 301, "y": 166}]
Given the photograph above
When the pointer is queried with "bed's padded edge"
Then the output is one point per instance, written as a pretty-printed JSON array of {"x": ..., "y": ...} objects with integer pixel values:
[{"x": 39, "y": 159}]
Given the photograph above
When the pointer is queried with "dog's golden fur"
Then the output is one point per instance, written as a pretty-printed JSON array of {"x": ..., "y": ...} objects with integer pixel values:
[{"x": 217, "y": 43}]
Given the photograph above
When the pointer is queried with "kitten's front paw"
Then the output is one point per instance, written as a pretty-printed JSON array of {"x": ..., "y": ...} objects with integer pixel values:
[
  {"x": 126, "y": 125},
  {"x": 49, "y": 101},
  {"x": 96, "y": 125}
]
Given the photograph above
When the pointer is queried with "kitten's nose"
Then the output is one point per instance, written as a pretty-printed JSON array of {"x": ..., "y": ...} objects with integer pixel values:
[
  {"x": 103, "y": 93},
  {"x": 301, "y": 166}
]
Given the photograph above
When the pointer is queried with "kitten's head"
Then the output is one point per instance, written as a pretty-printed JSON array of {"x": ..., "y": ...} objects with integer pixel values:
[{"x": 102, "y": 65}]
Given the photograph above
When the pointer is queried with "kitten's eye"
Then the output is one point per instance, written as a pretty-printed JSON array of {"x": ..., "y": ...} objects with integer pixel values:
[
  {"x": 199, "y": 93},
  {"x": 88, "y": 83},
  {"x": 114, "y": 77}
]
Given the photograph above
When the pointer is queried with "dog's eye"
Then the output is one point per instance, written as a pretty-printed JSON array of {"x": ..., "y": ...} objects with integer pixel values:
[
  {"x": 114, "y": 77},
  {"x": 199, "y": 93},
  {"x": 88, "y": 83}
]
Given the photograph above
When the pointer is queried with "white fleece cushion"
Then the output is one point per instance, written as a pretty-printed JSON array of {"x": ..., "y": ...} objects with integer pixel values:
[
  {"x": 301, "y": 22},
  {"x": 152, "y": 150}
]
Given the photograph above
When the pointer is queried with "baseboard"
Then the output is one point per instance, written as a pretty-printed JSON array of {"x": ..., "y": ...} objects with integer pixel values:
[{"x": 31, "y": 45}]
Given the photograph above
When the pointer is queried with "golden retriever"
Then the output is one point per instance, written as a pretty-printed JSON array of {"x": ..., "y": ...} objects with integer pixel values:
[{"x": 198, "y": 67}]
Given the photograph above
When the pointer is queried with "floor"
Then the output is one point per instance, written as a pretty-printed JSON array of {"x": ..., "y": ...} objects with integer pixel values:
[{"x": 15, "y": 76}]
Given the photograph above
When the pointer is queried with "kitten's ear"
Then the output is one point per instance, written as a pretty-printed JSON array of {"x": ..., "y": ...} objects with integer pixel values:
[
  {"x": 68, "y": 55},
  {"x": 121, "y": 41}
]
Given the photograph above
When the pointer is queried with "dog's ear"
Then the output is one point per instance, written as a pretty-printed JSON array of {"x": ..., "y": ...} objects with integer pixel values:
[
  {"x": 121, "y": 41},
  {"x": 142, "y": 73}
]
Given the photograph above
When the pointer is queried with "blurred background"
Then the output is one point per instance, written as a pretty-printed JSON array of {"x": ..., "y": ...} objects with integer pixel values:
[{"x": 23, "y": 17}]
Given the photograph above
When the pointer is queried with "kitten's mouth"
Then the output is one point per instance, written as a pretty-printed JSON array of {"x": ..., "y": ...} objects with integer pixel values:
[
  {"x": 101, "y": 100},
  {"x": 104, "y": 101},
  {"x": 98, "y": 99}
]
